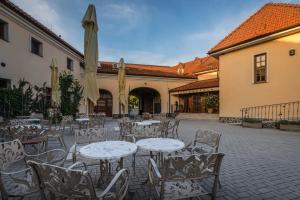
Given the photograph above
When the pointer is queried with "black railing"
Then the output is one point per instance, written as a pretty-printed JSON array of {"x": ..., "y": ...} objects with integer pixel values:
[{"x": 273, "y": 112}]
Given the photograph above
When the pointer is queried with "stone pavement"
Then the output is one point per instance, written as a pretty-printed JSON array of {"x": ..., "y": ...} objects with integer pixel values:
[{"x": 259, "y": 164}]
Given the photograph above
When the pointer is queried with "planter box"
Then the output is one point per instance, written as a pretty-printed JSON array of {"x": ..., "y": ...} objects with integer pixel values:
[
  {"x": 252, "y": 125},
  {"x": 289, "y": 127}
]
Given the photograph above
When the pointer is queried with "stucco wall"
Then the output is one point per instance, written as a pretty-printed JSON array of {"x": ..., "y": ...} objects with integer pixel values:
[
  {"x": 21, "y": 63},
  {"x": 162, "y": 85},
  {"x": 237, "y": 89},
  {"x": 207, "y": 76}
]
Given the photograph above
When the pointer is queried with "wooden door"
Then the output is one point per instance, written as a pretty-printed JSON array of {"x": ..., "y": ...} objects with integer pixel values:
[{"x": 104, "y": 103}]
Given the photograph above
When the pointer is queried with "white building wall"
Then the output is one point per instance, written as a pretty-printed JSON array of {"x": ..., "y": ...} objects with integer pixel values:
[{"x": 21, "y": 63}]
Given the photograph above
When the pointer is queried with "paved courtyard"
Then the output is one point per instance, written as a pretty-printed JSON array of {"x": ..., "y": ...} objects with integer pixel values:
[{"x": 258, "y": 164}]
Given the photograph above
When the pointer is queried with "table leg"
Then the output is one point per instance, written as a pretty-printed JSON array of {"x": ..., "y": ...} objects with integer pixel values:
[{"x": 105, "y": 172}]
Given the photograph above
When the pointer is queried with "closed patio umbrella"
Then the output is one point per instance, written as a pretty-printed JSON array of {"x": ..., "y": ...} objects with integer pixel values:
[
  {"x": 122, "y": 85},
  {"x": 89, "y": 23},
  {"x": 54, "y": 83}
]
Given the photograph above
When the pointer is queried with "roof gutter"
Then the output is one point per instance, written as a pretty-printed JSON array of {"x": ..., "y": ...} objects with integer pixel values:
[{"x": 254, "y": 42}]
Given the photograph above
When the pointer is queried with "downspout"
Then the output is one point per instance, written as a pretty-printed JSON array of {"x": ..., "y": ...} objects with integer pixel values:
[{"x": 169, "y": 102}]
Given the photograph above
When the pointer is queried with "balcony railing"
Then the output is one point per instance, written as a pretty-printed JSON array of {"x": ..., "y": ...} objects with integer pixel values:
[{"x": 273, "y": 112}]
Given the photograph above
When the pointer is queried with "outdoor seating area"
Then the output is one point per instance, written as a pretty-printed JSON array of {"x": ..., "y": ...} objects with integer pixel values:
[
  {"x": 95, "y": 165},
  {"x": 180, "y": 119}
]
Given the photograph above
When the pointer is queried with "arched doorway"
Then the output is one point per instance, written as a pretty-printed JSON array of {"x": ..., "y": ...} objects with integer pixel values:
[
  {"x": 104, "y": 103},
  {"x": 144, "y": 99}
]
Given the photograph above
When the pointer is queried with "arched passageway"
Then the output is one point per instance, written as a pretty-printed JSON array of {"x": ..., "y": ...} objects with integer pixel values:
[
  {"x": 104, "y": 103},
  {"x": 144, "y": 99}
]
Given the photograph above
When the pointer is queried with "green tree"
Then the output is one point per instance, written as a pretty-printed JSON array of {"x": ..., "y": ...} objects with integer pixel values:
[{"x": 71, "y": 94}]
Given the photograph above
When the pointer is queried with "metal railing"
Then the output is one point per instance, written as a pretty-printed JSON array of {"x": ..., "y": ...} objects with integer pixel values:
[{"x": 273, "y": 112}]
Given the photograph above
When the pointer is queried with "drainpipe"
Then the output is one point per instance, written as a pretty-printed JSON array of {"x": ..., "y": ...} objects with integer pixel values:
[{"x": 169, "y": 102}]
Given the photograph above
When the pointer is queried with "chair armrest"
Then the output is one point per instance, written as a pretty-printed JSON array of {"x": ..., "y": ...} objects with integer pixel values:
[
  {"x": 78, "y": 163},
  {"x": 15, "y": 172},
  {"x": 123, "y": 173},
  {"x": 21, "y": 179},
  {"x": 54, "y": 157}
]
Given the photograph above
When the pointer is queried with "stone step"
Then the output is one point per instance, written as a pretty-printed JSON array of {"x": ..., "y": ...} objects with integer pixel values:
[{"x": 198, "y": 116}]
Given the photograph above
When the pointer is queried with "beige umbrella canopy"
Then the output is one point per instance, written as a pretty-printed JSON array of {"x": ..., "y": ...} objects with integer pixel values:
[
  {"x": 122, "y": 85},
  {"x": 54, "y": 83},
  {"x": 89, "y": 23}
]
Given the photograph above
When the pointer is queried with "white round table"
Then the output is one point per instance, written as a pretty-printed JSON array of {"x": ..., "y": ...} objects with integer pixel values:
[
  {"x": 38, "y": 126},
  {"x": 148, "y": 123},
  {"x": 108, "y": 150},
  {"x": 82, "y": 119},
  {"x": 105, "y": 152},
  {"x": 152, "y": 121},
  {"x": 163, "y": 145}
]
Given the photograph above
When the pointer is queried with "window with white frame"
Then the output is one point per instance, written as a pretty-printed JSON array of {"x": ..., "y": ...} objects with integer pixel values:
[
  {"x": 3, "y": 30},
  {"x": 70, "y": 64},
  {"x": 260, "y": 68},
  {"x": 36, "y": 47}
]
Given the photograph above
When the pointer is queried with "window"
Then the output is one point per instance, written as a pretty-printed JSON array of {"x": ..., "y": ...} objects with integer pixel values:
[
  {"x": 70, "y": 64},
  {"x": 3, "y": 30},
  {"x": 4, "y": 83},
  {"x": 260, "y": 68},
  {"x": 81, "y": 64},
  {"x": 36, "y": 47},
  {"x": 115, "y": 66}
]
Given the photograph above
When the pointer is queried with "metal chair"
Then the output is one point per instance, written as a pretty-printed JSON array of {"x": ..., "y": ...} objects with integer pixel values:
[
  {"x": 67, "y": 122},
  {"x": 206, "y": 141},
  {"x": 96, "y": 120},
  {"x": 183, "y": 176},
  {"x": 16, "y": 179},
  {"x": 86, "y": 136},
  {"x": 76, "y": 184},
  {"x": 31, "y": 135},
  {"x": 173, "y": 129}
]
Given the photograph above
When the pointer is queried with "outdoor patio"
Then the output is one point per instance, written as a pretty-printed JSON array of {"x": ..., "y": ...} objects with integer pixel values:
[{"x": 258, "y": 163}]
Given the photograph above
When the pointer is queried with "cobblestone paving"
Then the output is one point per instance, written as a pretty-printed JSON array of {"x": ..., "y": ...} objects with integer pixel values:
[{"x": 259, "y": 164}]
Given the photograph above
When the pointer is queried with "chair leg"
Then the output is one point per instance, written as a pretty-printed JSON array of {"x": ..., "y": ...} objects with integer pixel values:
[
  {"x": 133, "y": 164},
  {"x": 219, "y": 182}
]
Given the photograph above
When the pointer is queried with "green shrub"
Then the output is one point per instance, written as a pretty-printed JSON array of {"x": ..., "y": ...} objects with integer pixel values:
[
  {"x": 252, "y": 120},
  {"x": 288, "y": 122},
  {"x": 71, "y": 94},
  {"x": 211, "y": 101}
]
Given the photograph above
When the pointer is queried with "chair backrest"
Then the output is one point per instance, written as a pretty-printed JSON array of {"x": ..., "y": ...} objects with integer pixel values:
[
  {"x": 66, "y": 119},
  {"x": 163, "y": 127},
  {"x": 208, "y": 137},
  {"x": 125, "y": 127},
  {"x": 90, "y": 135},
  {"x": 68, "y": 183},
  {"x": 14, "y": 122},
  {"x": 11, "y": 152},
  {"x": 145, "y": 131},
  {"x": 196, "y": 166}
]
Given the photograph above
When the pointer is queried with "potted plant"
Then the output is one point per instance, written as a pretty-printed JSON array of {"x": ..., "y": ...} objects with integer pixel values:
[
  {"x": 289, "y": 125},
  {"x": 252, "y": 123},
  {"x": 211, "y": 103}
]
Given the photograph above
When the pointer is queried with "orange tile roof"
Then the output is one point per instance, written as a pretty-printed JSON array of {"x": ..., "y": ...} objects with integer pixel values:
[
  {"x": 210, "y": 83},
  {"x": 143, "y": 70},
  {"x": 199, "y": 65},
  {"x": 270, "y": 19}
]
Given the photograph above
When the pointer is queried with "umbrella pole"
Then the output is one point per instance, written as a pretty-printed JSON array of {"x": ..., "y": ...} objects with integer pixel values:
[{"x": 87, "y": 106}]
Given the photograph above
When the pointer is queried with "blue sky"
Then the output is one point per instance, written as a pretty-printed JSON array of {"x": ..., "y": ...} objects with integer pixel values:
[{"x": 162, "y": 32}]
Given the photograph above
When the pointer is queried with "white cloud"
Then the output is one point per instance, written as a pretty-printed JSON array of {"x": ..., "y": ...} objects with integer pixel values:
[
  {"x": 136, "y": 56},
  {"x": 122, "y": 17},
  {"x": 44, "y": 12}
]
